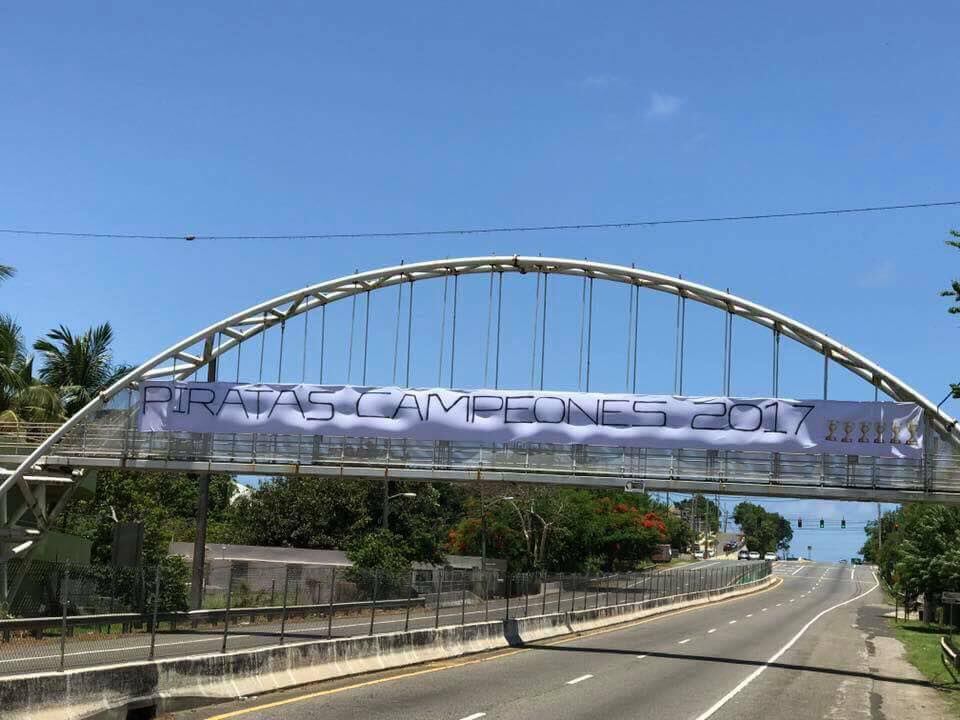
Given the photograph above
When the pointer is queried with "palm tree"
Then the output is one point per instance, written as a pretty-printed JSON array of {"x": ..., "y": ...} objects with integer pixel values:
[
  {"x": 7, "y": 272},
  {"x": 22, "y": 396},
  {"x": 79, "y": 366}
]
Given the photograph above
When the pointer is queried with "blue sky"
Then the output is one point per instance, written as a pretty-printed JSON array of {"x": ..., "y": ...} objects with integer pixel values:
[{"x": 247, "y": 118}]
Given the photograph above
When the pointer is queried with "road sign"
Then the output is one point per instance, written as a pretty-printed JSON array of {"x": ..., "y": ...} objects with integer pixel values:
[{"x": 951, "y": 598}]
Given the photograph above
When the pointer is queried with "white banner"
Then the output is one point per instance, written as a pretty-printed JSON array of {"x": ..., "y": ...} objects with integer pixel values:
[{"x": 881, "y": 429}]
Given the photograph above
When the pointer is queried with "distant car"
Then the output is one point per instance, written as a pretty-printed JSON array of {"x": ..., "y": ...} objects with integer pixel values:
[
  {"x": 728, "y": 546},
  {"x": 769, "y": 556},
  {"x": 843, "y": 562},
  {"x": 792, "y": 558},
  {"x": 698, "y": 555},
  {"x": 856, "y": 561},
  {"x": 754, "y": 555},
  {"x": 743, "y": 555}
]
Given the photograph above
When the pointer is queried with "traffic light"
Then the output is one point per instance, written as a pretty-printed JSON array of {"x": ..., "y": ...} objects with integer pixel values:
[
  {"x": 821, "y": 522},
  {"x": 799, "y": 522},
  {"x": 843, "y": 522}
]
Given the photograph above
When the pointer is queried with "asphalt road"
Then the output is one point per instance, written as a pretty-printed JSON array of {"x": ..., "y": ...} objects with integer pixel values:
[
  {"x": 30, "y": 656},
  {"x": 788, "y": 652}
]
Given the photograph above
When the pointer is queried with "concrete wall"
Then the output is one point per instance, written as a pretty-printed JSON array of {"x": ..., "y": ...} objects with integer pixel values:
[{"x": 170, "y": 684}]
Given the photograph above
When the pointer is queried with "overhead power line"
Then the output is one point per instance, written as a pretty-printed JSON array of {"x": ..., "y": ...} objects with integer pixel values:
[{"x": 488, "y": 230}]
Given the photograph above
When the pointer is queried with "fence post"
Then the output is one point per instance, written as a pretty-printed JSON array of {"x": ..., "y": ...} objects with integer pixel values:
[
  {"x": 226, "y": 613},
  {"x": 486, "y": 597},
  {"x": 436, "y": 618},
  {"x": 373, "y": 606},
  {"x": 507, "y": 592},
  {"x": 526, "y": 594},
  {"x": 333, "y": 588},
  {"x": 283, "y": 615},
  {"x": 463, "y": 603},
  {"x": 543, "y": 592},
  {"x": 596, "y": 590},
  {"x": 559, "y": 592},
  {"x": 273, "y": 587},
  {"x": 64, "y": 599},
  {"x": 156, "y": 602},
  {"x": 406, "y": 620}
]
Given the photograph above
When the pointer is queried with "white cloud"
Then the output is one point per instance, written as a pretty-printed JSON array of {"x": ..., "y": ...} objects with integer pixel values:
[
  {"x": 662, "y": 105},
  {"x": 880, "y": 274},
  {"x": 600, "y": 81}
]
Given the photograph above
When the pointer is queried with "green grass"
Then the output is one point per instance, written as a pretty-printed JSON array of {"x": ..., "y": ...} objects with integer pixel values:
[{"x": 922, "y": 644}]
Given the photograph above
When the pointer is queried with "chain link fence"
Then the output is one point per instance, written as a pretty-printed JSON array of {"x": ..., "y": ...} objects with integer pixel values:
[{"x": 57, "y": 616}]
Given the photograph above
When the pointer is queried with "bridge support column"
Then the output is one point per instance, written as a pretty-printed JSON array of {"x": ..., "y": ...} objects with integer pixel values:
[{"x": 200, "y": 541}]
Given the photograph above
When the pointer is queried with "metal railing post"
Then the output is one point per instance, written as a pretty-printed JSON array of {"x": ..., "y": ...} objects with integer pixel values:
[
  {"x": 226, "y": 612},
  {"x": 507, "y": 593},
  {"x": 526, "y": 594},
  {"x": 463, "y": 603},
  {"x": 436, "y": 617},
  {"x": 373, "y": 606},
  {"x": 486, "y": 597},
  {"x": 333, "y": 588},
  {"x": 596, "y": 590},
  {"x": 153, "y": 623},
  {"x": 543, "y": 592},
  {"x": 64, "y": 599},
  {"x": 283, "y": 615},
  {"x": 406, "y": 620},
  {"x": 559, "y": 592}
]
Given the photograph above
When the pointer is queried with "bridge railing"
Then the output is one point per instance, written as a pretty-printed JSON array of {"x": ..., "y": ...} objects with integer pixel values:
[
  {"x": 111, "y": 438},
  {"x": 69, "y": 616}
]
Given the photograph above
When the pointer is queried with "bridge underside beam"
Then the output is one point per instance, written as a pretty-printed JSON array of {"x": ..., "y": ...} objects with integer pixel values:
[{"x": 727, "y": 486}]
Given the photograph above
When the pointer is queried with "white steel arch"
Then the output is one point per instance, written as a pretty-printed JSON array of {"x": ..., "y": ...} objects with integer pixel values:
[{"x": 254, "y": 320}]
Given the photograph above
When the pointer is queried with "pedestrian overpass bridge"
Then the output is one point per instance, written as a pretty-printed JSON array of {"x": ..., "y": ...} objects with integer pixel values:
[{"x": 296, "y": 336}]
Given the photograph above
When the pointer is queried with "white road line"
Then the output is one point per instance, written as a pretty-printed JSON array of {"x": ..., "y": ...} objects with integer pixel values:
[
  {"x": 749, "y": 614},
  {"x": 797, "y": 570},
  {"x": 753, "y": 676},
  {"x": 711, "y": 630},
  {"x": 579, "y": 679},
  {"x": 852, "y": 572},
  {"x": 779, "y": 604},
  {"x": 732, "y": 622},
  {"x": 764, "y": 610},
  {"x": 474, "y": 716},
  {"x": 684, "y": 642},
  {"x": 793, "y": 599},
  {"x": 640, "y": 657}
]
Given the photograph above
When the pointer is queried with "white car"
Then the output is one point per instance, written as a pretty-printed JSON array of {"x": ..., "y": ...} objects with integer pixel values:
[
  {"x": 770, "y": 556},
  {"x": 754, "y": 555}
]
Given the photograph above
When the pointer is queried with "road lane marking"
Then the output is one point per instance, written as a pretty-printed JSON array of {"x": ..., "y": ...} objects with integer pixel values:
[
  {"x": 454, "y": 665},
  {"x": 797, "y": 570},
  {"x": 779, "y": 604},
  {"x": 852, "y": 572},
  {"x": 711, "y": 630},
  {"x": 732, "y": 622},
  {"x": 684, "y": 642},
  {"x": 640, "y": 657},
  {"x": 749, "y": 614},
  {"x": 475, "y": 716},
  {"x": 756, "y": 673},
  {"x": 764, "y": 610},
  {"x": 579, "y": 679}
]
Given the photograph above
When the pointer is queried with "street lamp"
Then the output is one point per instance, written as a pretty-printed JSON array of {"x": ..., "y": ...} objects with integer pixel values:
[{"x": 385, "y": 524}]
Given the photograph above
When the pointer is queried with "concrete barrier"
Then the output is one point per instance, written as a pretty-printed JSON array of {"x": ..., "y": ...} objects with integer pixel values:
[{"x": 108, "y": 692}]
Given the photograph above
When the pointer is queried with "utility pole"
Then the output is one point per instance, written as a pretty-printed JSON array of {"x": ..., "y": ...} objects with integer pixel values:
[
  {"x": 879, "y": 532},
  {"x": 200, "y": 541}
]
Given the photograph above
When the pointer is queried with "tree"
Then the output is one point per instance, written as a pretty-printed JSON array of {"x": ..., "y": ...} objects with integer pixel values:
[
  {"x": 166, "y": 504},
  {"x": 699, "y": 510},
  {"x": 765, "y": 531},
  {"x": 929, "y": 552},
  {"x": 79, "y": 366},
  {"x": 953, "y": 292},
  {"x": 22, "y": 396}
]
